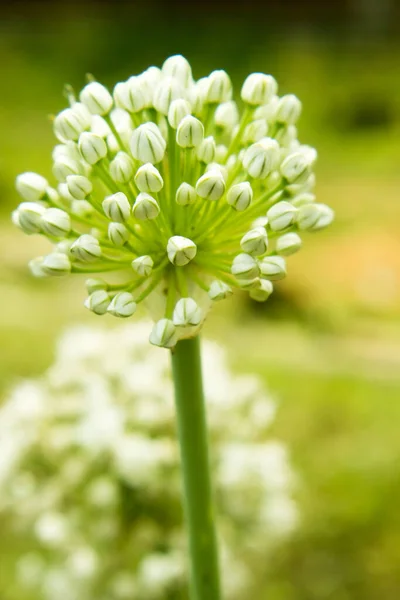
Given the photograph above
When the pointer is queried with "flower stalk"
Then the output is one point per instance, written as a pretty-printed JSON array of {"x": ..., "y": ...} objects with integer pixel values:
[{"x": 197, "y": 489}]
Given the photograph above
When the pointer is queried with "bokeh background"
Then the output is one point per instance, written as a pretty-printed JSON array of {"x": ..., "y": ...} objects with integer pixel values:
[{"x": 328, "y": 342}]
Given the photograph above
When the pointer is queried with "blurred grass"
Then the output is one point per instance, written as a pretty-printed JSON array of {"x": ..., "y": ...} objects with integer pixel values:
[{"x": 328, "y": 344}]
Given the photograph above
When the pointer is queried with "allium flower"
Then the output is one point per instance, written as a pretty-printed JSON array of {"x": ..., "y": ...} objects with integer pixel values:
[
  {"x": 89, "y": 470},
  {"x": 167, "y": 181}
]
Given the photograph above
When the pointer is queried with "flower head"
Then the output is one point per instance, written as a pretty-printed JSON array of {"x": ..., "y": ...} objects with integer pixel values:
[{"x": 166, "y": 184}]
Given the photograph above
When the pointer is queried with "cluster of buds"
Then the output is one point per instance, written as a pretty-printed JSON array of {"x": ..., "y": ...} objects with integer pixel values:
[{"x": 167, "y": 184}]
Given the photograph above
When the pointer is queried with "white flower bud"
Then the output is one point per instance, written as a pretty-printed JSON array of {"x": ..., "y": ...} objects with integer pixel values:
[
  {"x": 70, "y": 123},
  {"x": 219, "y": 88},
  {"x": 56, "y": 264},
  {"x": 214, "y": 166},
  {"x": 122, "y": 167},
  {"x": 181, "y": 250},
  {"x": 86, "y": 248},
  {"x": 92, "y": 147},
  {"x": 197, "y": 95},
  {"x": 227, "y": 115},
  {"x": 262, "y": 292},
  {"x": 259, "y": 222},
  {"x": 255, "y": 242},
  {"x": 281, "y": 215},
  {"x": 248, "y": 284},
  {"x": 131, "y": 95},
  {"x": 81, "y": 208},
  {"x": 31, "y": 186},
  {"x": 164, "y": 334},
  {"x": 98, "y": 302},
  {"x": 303, "y": 198},
  {"x": 65, "y": 166},
  {"x": 79, "y": 187},
  {"x": 147, "y": 144},
  {"x": 116, "y": 207},
  {"x": 245, "y": 266},
  {"x": 262, "y": 158},
  {"x": 219, "y": 290},
  {"x": 288, "y": 109},
  {"x": 148, "y": 179},
  {"x": 190, "y": 132},
  {"x": 207, "y": 150},
  {"x": 178, "y": 110},
  {"x": 185, "y": 195},
  {"x": 240, "y": 196},
  {"x": 143, "y": 265},
  {"x": 258, "y": 89},
  {"x": 168, "y": 90},
  {"x": 122, "y": 305},
  {"x": 99, "y": 126},
  {"x": 295, "y": 168},
  {"x": 288, "y": 244},
  {"x": 150, "y": 80},
  {"x": 178, "y": 67},
  {"x": 93, "y": 285},
  {"x": 118, "y": 234},
  {"x": 312, "y": 217},
  {"x": 308, "y": 152},
  {"x": 64, "y": 246},
  {"x": 30, "y": 217},
  {"x": 186, "y": 313},
  {"x": 56, "y": 222},
  {"x": 36, "y": 267},
  {"x": 273, "y": 267},
  {"x": 211, "y": 185},
  {"x": 96, "y": 98},
  {"x": 145, "y": 207},
  {"x": 267, "y": 111},
  {"x": 255, "y": 131},
  {"x": 286, "y": 135}
]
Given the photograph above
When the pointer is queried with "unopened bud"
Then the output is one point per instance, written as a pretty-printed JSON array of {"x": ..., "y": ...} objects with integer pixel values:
[
  {"x": 295, "y": 168},
  {"x": 168, "y": 90},
  {"x": 30, "y": 217},
  {"x": 219, "y": 290},
  {"x": 178, "y": 110},
  {"x": 93, "y": 285},
  {"x": 288, "y": 109},
  {"x": 255, "y": 242},
  {"x": 179, "y": 68},
  {"x": 262, "y": 292},
  {"x": 130, "y": 95},
  {"x": 303, "y": 198},
  {"x": 190, "y": 132},
  {"x": 118, "y": 234},
  {"x": 186, "y": 313},
  {"x": 281, "y": 215},
  {"x": 262, "y": 158},
  {"x": 219, "y": 88},
  {"x": 147, "y": 144},
  {"x": 181, "y": 250},
  {"x": 92, "y": 147},
  {"x": 121, "y": 168},
  {"x": 227, "y": 115},
  {"x": 86, "y": 248},
  {"x": 312, "y": 217},
  {"x": 148, "y": 179},
  {"x": 31, "y": 186},
  {"x": 56, "y": 264},
  {"x": 211, "y": 185},
  {"x": 116, "y": 207},
  {"x": 64, "y": 166},
  {"x": 36, "y": 267},
  {"x": 164, "y": 334},
  {"x": 122, "y": 305},
  {"x": 240, "y": 196},
  {"x": 98, "y": 302},
  {"x": 143, "y": 265},
  {"x": 185, "y": 194},
  {"x": 288, "y": 244},
  {"x": 207, "y": 150},
  {"x": 145, "y": 207},
  {"x": 255, "y": 131},
  {"x": 96, "y": 98},
  {"x": 245, "y": 266},
  {"x": 273, "y": 267},
  {"x": 258, "y": 89},
  {"x": 70, "y": 123},
  {"x": 79, "y": 187},
  {"x": 56, "y": 222}
]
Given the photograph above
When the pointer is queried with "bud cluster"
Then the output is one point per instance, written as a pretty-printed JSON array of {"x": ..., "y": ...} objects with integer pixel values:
[{"x": 166, "y": 185}]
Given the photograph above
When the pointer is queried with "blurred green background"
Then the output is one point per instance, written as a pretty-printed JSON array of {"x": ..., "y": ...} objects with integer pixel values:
[{"x": 328, "y": 343}]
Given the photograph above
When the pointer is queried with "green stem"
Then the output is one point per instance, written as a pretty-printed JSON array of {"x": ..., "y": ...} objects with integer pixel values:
[{"x": 197, "y": 494}]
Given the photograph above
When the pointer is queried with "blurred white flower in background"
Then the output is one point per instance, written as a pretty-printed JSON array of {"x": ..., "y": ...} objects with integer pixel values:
[{"x": 89, "y": 473}]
